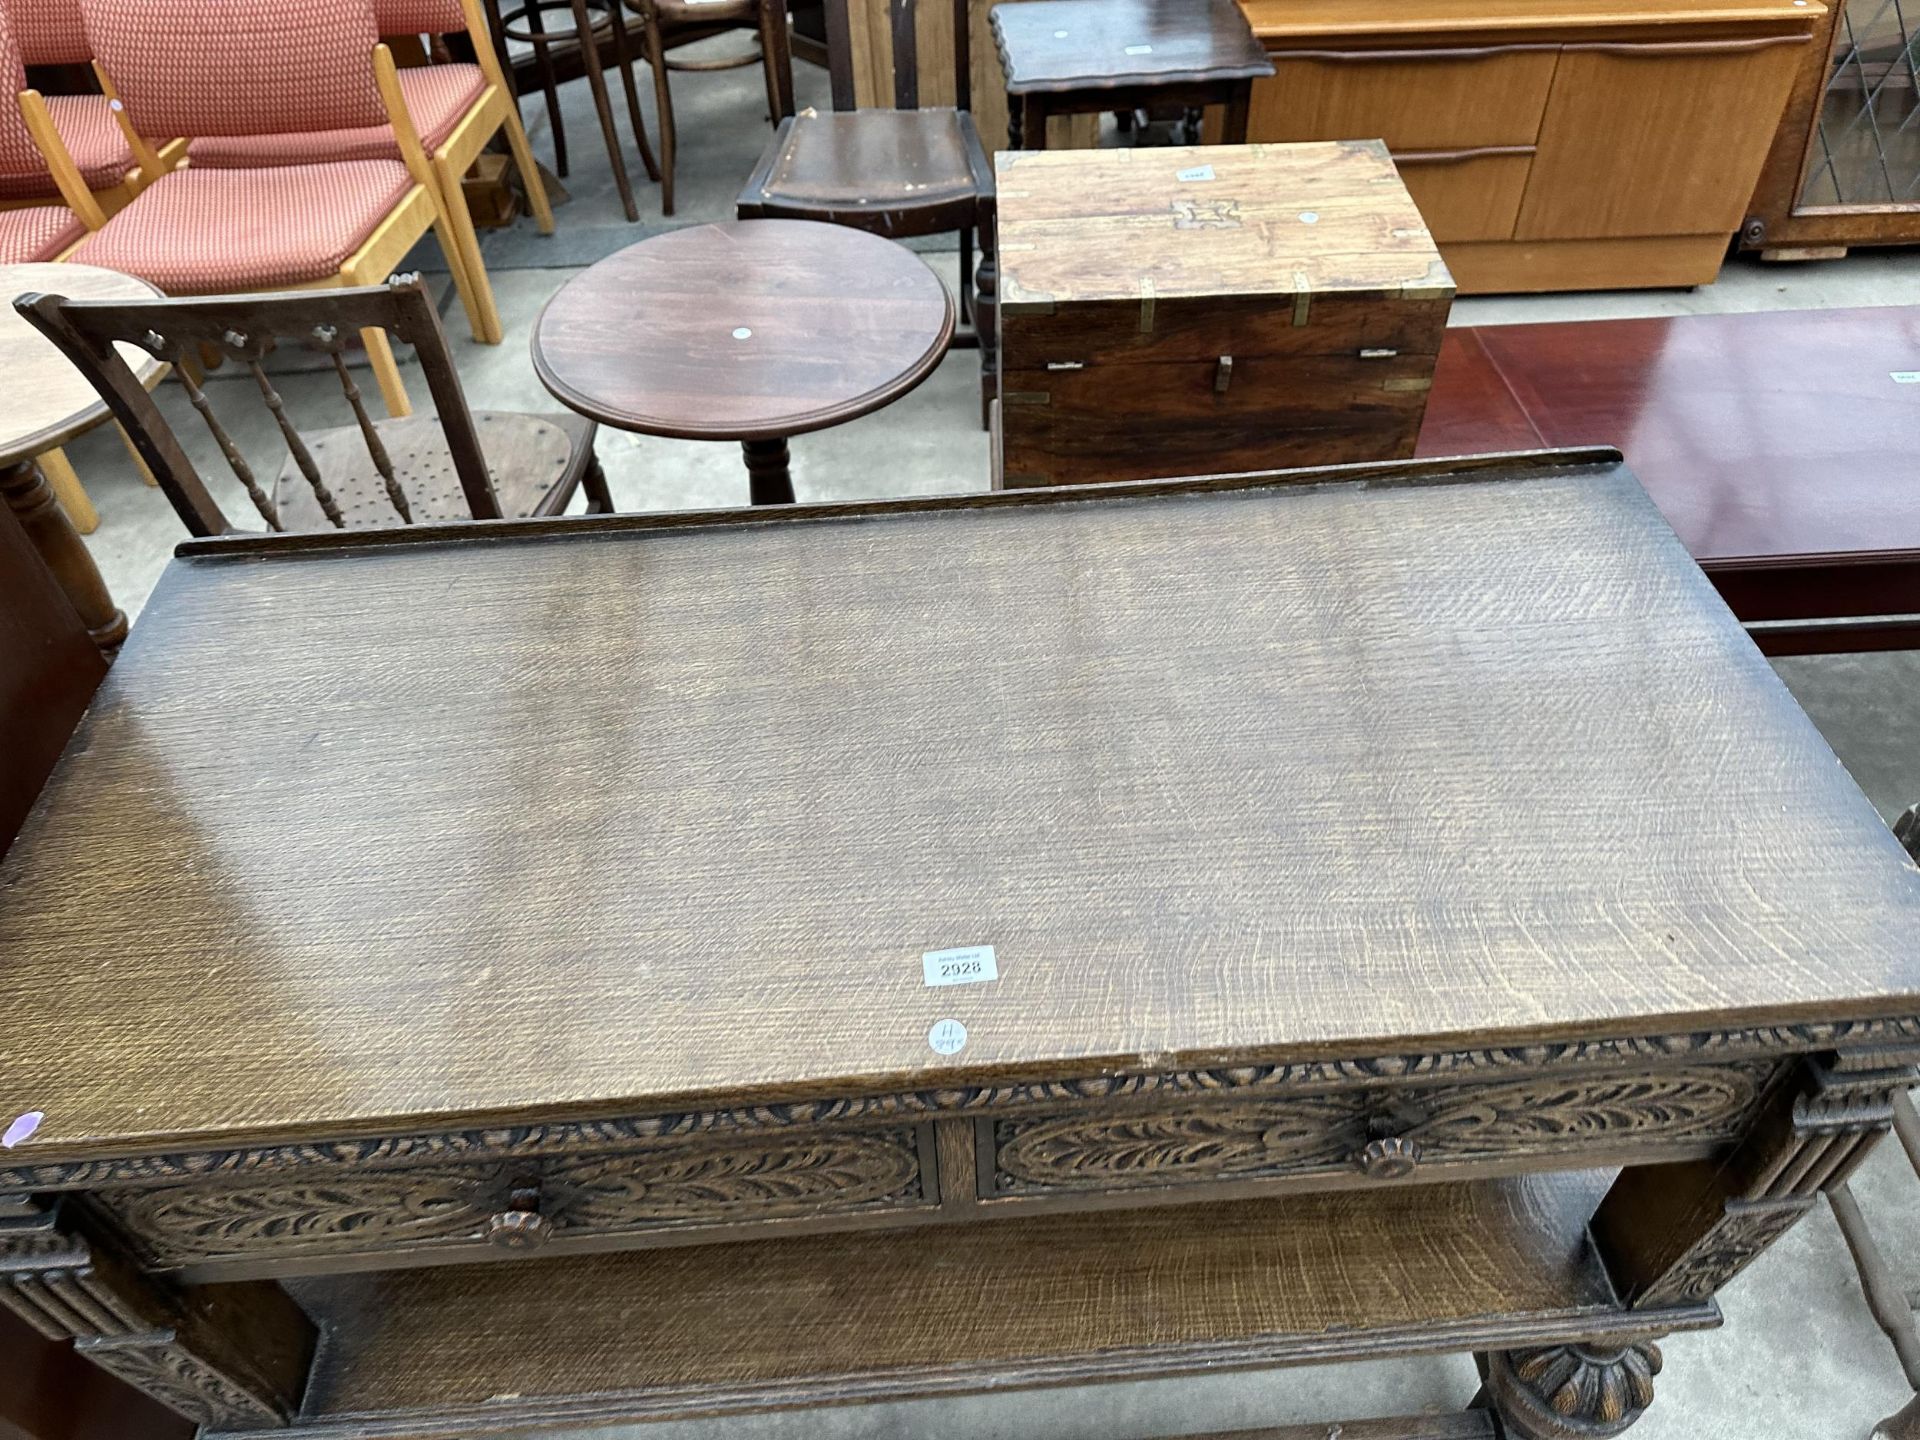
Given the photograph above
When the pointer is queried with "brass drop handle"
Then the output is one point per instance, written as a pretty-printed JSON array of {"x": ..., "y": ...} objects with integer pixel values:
[
  {"x": 1388, "y": 1159},
  {"x": 520, "y": 1226}
]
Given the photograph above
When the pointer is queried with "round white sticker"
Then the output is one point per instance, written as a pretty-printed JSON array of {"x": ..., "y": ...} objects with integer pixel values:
[
  {"x": 947, "y": 1037},
  {"x": 742, "y": 333},
  {"x": 1309, "y": 217}
]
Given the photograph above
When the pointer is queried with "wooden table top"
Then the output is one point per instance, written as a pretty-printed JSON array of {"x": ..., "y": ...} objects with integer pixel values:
[
  {"x": 1065, "y": 45},
  {"x": 748, "y": 330},
  {"x": 1790, "y": 432},
  {"x": 646, "y": 808},
  {"x": 1137, "y": 227},
  {"x": 48, "y": 400}
]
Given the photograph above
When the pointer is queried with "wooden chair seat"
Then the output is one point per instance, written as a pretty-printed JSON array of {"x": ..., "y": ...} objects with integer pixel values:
[
  {"x": 93, "y": 138},
  {"x": 536, "y": 464},
  {"x": 37, "y": 232},
  {"x": 868, "y": 168}
]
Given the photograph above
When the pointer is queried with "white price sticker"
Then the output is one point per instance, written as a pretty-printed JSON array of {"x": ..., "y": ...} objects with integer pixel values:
[
  {"x": 1905, "y": 377},
  {"x": 947, "y": 1037},
  {"x": 1198, "y": 172},
  {"x": 1139, "y": 49},
  {"x": 969, "y": 965}
]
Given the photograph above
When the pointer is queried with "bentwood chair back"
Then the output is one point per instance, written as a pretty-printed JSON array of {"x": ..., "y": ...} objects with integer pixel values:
[{"x": 367, "y": 474}]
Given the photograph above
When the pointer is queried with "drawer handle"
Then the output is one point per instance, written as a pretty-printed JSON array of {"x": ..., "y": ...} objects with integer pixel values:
[
  {"x": 1654, "y": 49},
  {"x": 1390, "y": 1159},
  {"x": 520, "y": 1226},
  {"x": 1397, "y": 57}
]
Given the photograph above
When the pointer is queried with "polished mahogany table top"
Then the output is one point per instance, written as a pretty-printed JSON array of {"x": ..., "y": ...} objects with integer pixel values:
[
  {"x": 1782, "y": 433},
  {"x": 747, "y": 330}
]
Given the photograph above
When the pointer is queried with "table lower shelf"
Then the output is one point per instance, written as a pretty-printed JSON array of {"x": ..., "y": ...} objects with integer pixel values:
[{"x": 1054, "y": 1300}]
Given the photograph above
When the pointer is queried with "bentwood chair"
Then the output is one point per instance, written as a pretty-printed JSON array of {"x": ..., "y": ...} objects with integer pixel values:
[
  {"x": 372, "y": 473},
  {"x": 456, "y": 109},
  {"x": 528, "y": 24},
  {"x": 908, "y": 171},
  {"x": 670, "y": 24},
  {"x": 215, "y": 67}
]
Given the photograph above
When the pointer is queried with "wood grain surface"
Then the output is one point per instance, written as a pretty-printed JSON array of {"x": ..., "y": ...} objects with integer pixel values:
[
  {"x": 668, "y": 807},
  {"x": 744, "y": 330},
  {"x": 1072, "y": 45},
  {"x": 963, "y": 1308},
  {"x": 1333, "y": 18},
  {"x": 1243, "y": 231},
  {"x": 48, "y": 401}
]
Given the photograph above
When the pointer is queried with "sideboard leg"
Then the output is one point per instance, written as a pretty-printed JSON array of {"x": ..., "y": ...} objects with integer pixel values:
[
  {"x": 225, "y": 1356},
  {"x": 1571, "y": 1392}
]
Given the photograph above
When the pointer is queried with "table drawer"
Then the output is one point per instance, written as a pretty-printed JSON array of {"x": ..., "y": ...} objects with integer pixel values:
[
  {"x": 1384, "y": 1134},
  {"x": 522, "y": 1204},
  {"x": 1414, "y": 99}
]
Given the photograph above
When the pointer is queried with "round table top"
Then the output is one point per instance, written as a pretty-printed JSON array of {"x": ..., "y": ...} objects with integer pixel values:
[
  {"x": 748, "y": 330},
  {"x": 48, "y": 400}
]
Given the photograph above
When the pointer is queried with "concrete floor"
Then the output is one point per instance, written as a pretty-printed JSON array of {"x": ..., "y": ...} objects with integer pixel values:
[{"x": 1798, "y": 1359}]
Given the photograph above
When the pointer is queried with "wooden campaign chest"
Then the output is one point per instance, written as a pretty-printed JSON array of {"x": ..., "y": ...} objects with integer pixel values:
[{"x": 1185, "y": 310}]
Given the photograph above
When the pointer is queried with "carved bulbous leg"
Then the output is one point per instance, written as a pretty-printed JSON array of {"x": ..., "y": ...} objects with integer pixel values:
[
  {"x": 1571, "y": 1392},
  {"x": 769, "y": 478}
]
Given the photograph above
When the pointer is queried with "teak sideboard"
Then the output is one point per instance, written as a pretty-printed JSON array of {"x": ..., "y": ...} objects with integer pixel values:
[
  {"x": 1568, "y": 145},
  {"x": 477, "y": 978}
]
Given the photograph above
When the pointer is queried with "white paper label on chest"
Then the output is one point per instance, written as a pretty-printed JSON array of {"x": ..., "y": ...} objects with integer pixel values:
[
  {"x": 1198, "y": 172},
  {"x": 947, "y": 1037},
  {"x": 968, "y": 965},
  {"x": 1139, "y": 49},
  {"x": 1905, "y": 377}
]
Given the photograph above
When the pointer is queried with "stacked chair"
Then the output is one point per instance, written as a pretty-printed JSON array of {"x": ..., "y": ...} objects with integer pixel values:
[
  {"x": 51, "y": 32},
  {"x": 307, "y": 170}
]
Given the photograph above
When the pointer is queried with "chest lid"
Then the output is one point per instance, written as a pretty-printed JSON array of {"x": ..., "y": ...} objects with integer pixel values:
[{"x": 1166, "y": 235}]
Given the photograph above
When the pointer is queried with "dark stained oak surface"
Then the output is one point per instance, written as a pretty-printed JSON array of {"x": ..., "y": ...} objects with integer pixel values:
[
  {"x": 1080, "y": 44},
  {"x": 1779, "y": 433},
  {"x": 745, "y": 330},
  {"x": 650, "y": 807}
]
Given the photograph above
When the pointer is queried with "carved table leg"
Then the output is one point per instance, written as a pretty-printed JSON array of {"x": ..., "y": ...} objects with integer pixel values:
[
  {"x": 769, "y": 480},
  {"x": 1674, "y": 1234},
  {"x": 1571, "y": 1392},
  {"x": 225, "y": 1356},
  {"x": 52, "y": 534}
]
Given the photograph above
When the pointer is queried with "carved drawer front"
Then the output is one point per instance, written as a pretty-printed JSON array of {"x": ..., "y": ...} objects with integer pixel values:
[
  {"x": 1384, "y": 1134},
  {"x": 521, "y": 1204}
]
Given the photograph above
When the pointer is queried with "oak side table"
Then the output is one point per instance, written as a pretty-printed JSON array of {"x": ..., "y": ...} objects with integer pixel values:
[
  {"x": 1083, "y": 57},
  {"x": 749, "y": 330},
  {"x": 1398, "y": 911}
]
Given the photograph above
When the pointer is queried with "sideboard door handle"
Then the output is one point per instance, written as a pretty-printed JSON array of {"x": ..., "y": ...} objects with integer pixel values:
[{"x": 1655, "y": 49}]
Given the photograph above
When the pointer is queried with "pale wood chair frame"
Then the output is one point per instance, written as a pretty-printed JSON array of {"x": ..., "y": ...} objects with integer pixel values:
[{"x": 422, "y": 208}]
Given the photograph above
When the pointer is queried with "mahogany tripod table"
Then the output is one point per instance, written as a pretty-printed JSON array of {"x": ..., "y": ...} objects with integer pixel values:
[
  {"x": 750, "y": 330},
  {"x": 1783, "y": 447},
  {"x": 1274, "y": 918}
]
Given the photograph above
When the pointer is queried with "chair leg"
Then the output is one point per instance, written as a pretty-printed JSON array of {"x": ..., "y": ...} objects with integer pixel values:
[
  {"x": 624, "y": 58},
  {"x": 966, "y": 274},
  {"x": 58, "y": 471},
  {"x": 550, "y": 83},
  {"x": 986, "y": 312},
  {"x": 663, "y": 104},
  {"x": 523, "y": 161},
  {"x": 133, "y": 454},
  {"x": 594, "y": 482},
  {"x": 455, "y": 222},
  {"x": 386, "y": 370},
  {"x": 597, "y": 82}
]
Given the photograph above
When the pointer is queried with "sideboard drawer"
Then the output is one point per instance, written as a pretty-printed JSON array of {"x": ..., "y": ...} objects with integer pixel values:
[
  {"x": 1437, "y": 98},
  {"x": 1385, "y": 1134},
  {"x": 521, "y": 1204}
]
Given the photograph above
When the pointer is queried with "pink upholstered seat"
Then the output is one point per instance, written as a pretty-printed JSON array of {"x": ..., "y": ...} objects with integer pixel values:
[
  {"x": 200, "y": 232},
  {"x": 39, "y": 232},
  {"x": 437, "y": 97},
  {"x": 85, "y": 123}
]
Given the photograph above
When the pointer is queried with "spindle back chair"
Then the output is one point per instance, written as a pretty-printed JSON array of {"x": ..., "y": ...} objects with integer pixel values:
[{"x": 373, "y": 472}]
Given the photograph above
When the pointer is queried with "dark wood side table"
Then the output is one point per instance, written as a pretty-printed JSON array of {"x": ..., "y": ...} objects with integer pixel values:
[
  {"x": 1779, "y": 445},
  {"x": 1363, "y": 888},
  {"x": 1078, "y": 57},
  {"x": 752, "y": 330}
]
